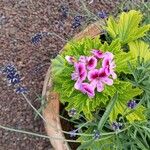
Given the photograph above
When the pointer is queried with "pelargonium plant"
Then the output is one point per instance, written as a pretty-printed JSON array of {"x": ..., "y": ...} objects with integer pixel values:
[{"x": 105, "y": 84}]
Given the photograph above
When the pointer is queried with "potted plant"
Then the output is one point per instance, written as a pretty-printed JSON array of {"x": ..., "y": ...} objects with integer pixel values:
[{"x": 103, "y": 84}]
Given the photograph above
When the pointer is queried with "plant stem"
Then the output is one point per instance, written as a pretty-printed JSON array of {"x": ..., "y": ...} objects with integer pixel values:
[
  {"x": 36, "y": 134},
  {"x": 46, "y": 121}
]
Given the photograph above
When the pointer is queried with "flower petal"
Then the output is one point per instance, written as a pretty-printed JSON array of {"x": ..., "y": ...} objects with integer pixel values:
[
  {"x": 107, "y": 81},
  {"x": 100, "y": 86},
  {"x": 70, "y": 59},
  {"x": 108, "y": 55},
  {"x": 98, "y": 54},
  {"x": 88, "y": 89},
  {"x": 78, "y": 84},
  {"x": 114, "y": 75},
  {"x": 80, "y": 68},
  {"x": 92, "y": 63},
  {"x": 82, "y": 59}
]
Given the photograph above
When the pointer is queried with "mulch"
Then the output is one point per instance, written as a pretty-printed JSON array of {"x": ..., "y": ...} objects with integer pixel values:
[{"x": 20, "y": 20}]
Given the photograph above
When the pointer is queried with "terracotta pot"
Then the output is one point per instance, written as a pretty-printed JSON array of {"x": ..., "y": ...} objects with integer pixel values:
[{"x": 51, "y": 111}]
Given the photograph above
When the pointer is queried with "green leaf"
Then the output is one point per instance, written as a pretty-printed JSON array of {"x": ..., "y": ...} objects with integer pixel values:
[
  {"x": 112, "y": 27},
  {"x": 139, "y": 48},
  {"x": 58, "y": 64},
  {"x": 107, "y": 111},
  {"x": 127, "y": 29},
  {"x": 125, "y": 93}
]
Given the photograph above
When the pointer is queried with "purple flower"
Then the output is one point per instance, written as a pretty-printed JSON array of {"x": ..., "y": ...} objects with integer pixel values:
[
  {"x": 78, "y": 18},
  {"x": 116, "y": 126},
  {"x": 132, "y": 104},
  {"x": 98, "y": 78},
  {"x": 12, "y": 75},
  {"x": 64, "y": 11},
  {"x": 72, "y": 112},
  {"x": 73, "y": 133},
  {"x": 9, "y": 69},
  {"x": 96, "y": 135},
  {"x": 102, "y": 14},
  {"x": 21, "y": 90},
  {"x": 36, "y": 38},
  {"x": 77, "y": 21},
  {"x": 76, "y": 24}
]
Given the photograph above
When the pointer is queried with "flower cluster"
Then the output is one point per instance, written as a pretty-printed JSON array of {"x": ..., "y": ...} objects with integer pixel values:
[
  {"x": 13, "y": 78},
  {"x": 77, "y": 21},
  {"x": 89, "y": 76},
  {"x": 96, "y": 135},
  {"x": 117, "y": 126},
  {"x": 37, "y": 38},
  {"x": 12, "y": 75},
  {"x": 131, "y": 104}
]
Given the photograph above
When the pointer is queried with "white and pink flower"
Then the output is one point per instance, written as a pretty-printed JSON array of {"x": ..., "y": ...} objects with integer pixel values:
[
  {"x": 88, "y": 76},
  {"x": 99, "y": 78}
]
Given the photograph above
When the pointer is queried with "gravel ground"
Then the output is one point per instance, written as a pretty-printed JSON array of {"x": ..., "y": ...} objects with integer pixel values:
[{"x": 19, "y": 21}]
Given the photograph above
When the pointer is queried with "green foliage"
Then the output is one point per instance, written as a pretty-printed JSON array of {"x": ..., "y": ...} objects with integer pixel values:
[
  {"x": 125, "y": 93},
  {"x": 65, "y": 86},
  {"x": 108, "y": 110},
  {"x": 127, "y": 28},
  {"x": 139, "y": 48}
]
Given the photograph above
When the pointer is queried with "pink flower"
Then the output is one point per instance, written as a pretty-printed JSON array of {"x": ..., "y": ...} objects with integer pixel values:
[
  {"x": 79, "y": 75},
  {"x": 98, "y": 54},
  {"x": 109, "y": 65},
  {"x": 88, "y": 89},
  {"x": 98, "y": 78},
  {"x": 91, "y": 62},
  {"x": 70, "y": 59}
]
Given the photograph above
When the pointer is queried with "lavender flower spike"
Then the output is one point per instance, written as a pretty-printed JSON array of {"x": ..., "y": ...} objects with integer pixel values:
[
  {"x": 102, "y": 14},
  {"x": 132, "y": 104},
  {"x": 72, "y": 112},
  {"x": 96, "y": 135},
  {"x": 73, "y": 133},
  {"x": 116, "y": 126}
]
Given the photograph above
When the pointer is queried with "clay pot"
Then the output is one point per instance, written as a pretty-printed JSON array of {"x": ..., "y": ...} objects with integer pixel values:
[{"x": 51, "y": 111}]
